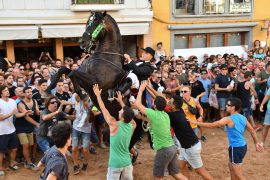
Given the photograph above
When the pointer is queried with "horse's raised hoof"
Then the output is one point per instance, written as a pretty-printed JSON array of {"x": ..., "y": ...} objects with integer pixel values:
[{"x": 111, "y": 95}]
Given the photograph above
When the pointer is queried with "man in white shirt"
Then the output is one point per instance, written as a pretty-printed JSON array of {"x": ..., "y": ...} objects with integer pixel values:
[{"x": 8, "y": 137}]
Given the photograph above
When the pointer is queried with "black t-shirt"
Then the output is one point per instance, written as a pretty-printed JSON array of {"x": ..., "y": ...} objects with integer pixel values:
[
  {"x": 182, "y": 129},
  {"x": 56, "y": 162},
  {"x": 11, "y": 91},
  {"x": 34, "y": 91},
  {"x": 21, "y": 124},
  {"x": 156, "y": 86},
  {"x": 40, "y": 100},
  {"x": 196, "y": 88},
  {"x": 64, "y": 96},
  {"x": 46, "y": 125},
  {"x": 223, "y": 82}
]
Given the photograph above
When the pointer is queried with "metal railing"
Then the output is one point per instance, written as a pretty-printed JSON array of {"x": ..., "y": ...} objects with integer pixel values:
[{"x": 98, "y": 1}]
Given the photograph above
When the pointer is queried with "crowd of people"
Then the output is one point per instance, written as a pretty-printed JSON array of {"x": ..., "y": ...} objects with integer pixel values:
[{"x": 177, "y": 98}]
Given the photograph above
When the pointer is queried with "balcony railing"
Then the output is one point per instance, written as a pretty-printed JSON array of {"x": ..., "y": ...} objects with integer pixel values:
[
  {"x": 97, "y": 5},
  {"x": 98, "y": 2}
]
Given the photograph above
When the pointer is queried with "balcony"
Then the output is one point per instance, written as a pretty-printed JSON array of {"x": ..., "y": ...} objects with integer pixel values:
[{"x": 97, "y": 5}]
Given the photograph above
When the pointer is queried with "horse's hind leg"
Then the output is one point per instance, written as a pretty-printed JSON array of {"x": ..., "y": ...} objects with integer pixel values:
[
  {"x": 55, "y": 78},
  {"x": 81, "y": 80}
]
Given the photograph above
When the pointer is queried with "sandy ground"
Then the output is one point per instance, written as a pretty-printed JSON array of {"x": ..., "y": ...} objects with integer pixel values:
[{"x": 214, "y": 153}]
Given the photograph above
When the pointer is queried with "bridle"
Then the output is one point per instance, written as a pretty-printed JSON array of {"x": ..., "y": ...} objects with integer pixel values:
[{"x": 94, "y": 34}]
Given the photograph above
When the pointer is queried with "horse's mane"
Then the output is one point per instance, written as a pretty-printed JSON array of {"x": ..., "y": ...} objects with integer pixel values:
[{"x": 116, "y": 28}]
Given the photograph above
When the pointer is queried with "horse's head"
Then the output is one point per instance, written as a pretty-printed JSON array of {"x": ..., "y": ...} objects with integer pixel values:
[{"x": 94, "y": 31}]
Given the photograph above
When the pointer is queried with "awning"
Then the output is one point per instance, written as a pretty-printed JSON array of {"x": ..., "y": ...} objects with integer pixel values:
[
  {"x": 61, "y": 31},
  {"x": 18, "y": 32}
]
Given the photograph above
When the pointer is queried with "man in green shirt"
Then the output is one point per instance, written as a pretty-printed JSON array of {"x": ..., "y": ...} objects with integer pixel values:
[
  {"x": 120, "y": 135},
  {"x": 166, "y": 156}
]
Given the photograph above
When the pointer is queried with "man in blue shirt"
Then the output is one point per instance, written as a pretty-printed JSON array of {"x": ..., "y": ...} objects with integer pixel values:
[
  {"x": 236, "y": 124},
  {"x": 205, "y": 98}
]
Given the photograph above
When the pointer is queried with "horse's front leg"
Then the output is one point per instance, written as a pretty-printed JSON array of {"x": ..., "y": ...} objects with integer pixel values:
[
  {"x": 82, "y": 80},
  {"x": 54, "y": 79}
]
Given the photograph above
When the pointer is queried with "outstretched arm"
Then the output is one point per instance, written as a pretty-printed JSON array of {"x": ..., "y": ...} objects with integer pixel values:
[
  {"x": 107, "y": 116},
  {"x": 215, "y": 124},
  {"x": 138, "y": 102},
  {"x": 258, "y": 146}
]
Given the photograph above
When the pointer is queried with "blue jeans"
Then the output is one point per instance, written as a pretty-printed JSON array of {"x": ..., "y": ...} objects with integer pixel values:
[
  {"x": 247, "y": 112},
  {"x": 44, "y": 143},
  {"x": 78, "y": 136}
]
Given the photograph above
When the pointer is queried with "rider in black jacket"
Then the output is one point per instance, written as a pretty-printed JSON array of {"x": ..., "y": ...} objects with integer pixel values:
[{"x": 143, "y": 69}]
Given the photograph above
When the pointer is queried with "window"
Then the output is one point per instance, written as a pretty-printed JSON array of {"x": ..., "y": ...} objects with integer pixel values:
[
  {"x": 181, "y": 41},
  {"x": 184, "y": 41},
  {"x": 240, "y": 6},
  {"x": 216, "y": 40},
  {"x": 199, "y": 41},
  {"x": 184, "y": 6},
  {"x": 98, "y": 2},
  {"x": 212, "y": 7},
  {"x": 234, "y": 39}
]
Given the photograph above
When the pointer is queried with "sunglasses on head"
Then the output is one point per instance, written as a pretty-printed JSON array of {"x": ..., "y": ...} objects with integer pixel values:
[{"x": 184, "y": 91}]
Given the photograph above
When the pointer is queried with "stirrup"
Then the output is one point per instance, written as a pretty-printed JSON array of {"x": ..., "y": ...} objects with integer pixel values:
[{"x": 111, "y": 95}]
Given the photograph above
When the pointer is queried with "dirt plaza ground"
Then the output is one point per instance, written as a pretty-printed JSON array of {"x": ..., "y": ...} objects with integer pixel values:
[{"x": 214, "y": 153}]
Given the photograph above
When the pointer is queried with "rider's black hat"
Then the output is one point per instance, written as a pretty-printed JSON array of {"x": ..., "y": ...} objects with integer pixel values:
[{"x": 149, "y": 50}]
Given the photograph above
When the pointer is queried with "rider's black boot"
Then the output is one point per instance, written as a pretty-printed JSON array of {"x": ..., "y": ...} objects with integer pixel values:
[{"x": 123, "y": 87}]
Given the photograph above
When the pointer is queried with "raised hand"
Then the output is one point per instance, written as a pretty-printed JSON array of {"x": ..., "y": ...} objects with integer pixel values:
[
  {"x": 96, "y": 90},
  {"x": 143, "y": 85},
  {"x": 119, "y": 97}
]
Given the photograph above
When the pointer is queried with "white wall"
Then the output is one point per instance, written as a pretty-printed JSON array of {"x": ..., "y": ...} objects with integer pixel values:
[
  {"x": 13, "y": 12},
  {"x": 60, "y": 4}
]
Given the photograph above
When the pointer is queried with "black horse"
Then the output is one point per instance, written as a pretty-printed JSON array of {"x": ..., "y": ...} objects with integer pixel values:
[{"x": 104, "y": 66}]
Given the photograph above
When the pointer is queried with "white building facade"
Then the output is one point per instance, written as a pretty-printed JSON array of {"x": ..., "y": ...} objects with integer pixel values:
[{"x": 29, "y": 27}]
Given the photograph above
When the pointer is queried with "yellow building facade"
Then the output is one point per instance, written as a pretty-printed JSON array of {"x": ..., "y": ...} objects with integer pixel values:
[{"x": 181, "y": 24}]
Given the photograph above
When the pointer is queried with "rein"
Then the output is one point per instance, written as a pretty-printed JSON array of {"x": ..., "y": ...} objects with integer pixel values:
[
  {"x": 109, "y": 53},
  {"x": 115, "y": 65}
]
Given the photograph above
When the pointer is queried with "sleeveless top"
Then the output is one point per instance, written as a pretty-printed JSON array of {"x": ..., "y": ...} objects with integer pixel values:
[
  {"x": 189, "y": 115},
  {"x": 243, "y": 94},
  {"x": 236, "y": 134},
  {"x": 119, "y": 146},
  {"x": 21, "y": 124}
]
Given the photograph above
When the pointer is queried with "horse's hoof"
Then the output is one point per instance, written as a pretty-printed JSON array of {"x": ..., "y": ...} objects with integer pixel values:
[{"x": 110, "y": 99}]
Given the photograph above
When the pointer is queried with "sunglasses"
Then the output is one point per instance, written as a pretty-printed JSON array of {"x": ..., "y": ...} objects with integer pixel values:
[
  {"x": 244, "y": 69},
  {"x": 184, "y": 91},
  {"x": 53, "y": 102},
  {"x": 228, "y": 105}
]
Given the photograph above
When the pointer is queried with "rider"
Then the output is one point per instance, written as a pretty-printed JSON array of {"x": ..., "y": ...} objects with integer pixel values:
[{"x": 143, "y": 70}]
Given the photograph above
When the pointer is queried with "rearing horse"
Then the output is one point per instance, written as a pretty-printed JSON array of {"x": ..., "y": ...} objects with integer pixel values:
[{"x": 104, "y": 67}]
